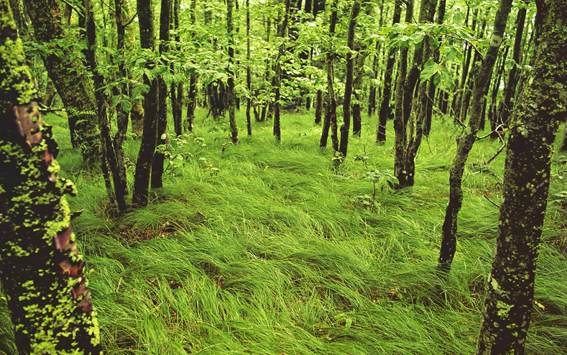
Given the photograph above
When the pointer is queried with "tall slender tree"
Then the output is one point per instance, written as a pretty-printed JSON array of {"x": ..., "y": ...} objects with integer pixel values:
[
  {"x": 345, "y": 127},
  {"x": 248, "y": 71},
  {"x": 282, "y": 28},
  {"x": 384, "y": 111},
  {"x": 506, "y": 105},
  {"x": 192, "y": 94},
  {"x": 510, "y": 287},
  {"x": 418, "y": 110},
  {"x": 330, "y": 121},
  {"x": 466, "y": 141},
  {"x": 230, "y": 88},
  {"x": 400, "y": 123},
  {"x": 162, "y": 127},
  {"x": 149, "y": 137}
]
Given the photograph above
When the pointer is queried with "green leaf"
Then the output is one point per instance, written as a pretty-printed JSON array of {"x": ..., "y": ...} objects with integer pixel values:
[
  {"x": 126, "y": 105},
  {"x": 429, "y": 69}
]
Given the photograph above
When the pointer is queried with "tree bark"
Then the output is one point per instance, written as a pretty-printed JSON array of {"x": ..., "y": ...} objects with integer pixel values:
[
  {"x": 507, "y": 105},
  {"x": 192, "y": 99},
  {"x": 465, "y": 142},
  {"x": 162, "y": 128},
  {"x": 178, "y": 89},
  {"x": 418, "y": 108},
  {"x": 108, "y": 159},
  {"x": 400, "y": 124},
  {"x": 345, "y": 127},
  {"x": 149, "y": 137},
  {"x": 375, "y": 66},
  {"x": 42, "y": 271},
  {"x": 432, "y": 87},
  {"x": 510, "y": 287},
  {"x": 495, "y": 88},
  {"x": 230, "y": 92},
  {"x": 278, "y": 76},
  {"x": 318, "y": 107},
  {"x": 76, "y": 91},
  {"x": 384, "y": 111},
  {"x": 330, "y": 121},
  {"x": 248, "y": 71}
]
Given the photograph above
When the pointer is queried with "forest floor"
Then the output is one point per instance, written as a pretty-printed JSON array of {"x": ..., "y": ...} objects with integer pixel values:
[{"x": 265, "y": 248}]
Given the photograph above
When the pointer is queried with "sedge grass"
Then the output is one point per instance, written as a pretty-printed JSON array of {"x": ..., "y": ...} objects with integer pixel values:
[{"x": 262, "y": 248}]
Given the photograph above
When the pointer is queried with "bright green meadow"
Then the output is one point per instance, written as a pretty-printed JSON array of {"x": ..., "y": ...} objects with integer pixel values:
[{"x": 266, "y": 248}]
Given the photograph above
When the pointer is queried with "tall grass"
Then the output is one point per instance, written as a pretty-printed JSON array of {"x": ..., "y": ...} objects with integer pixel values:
[{"x": 273, "y": 254}]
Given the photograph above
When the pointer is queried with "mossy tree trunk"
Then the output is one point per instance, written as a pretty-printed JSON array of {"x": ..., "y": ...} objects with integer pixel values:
[
  {"x": 466, "y": 141},
  {"x": 345, "y": 127},
  {"x": 541, "y": 107},
  {"x": 76, "y": 91},
  {"x": 42, "y": 271},
  {"x": 151, "y": 102}
]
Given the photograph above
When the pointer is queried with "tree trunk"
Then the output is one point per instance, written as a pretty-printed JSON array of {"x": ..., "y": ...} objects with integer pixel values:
[
  {"x": 109, "y": 157},
  {"x": 418, "y": 108},
  {"x": 278, "y": 76},
  {"x": 400, "y": 124},
  {"x": 162, "y": 128},
  {"x": 151, "y": 100},
  {"x": 177, "y": 89},
  {"x": 230, "y": 92},
  {"x": 16, "y": 6},
  {"x": 248, "y": 71},
  {"x": 375, "y": 66},
  {"x": 318, "y": 107},
  {"x": 122, "y": 115},
  {"x": 384, "y": 111},
  {"x": 466, "y": 64},
  {"x": 356, "y": 107},
  {"x": 510, "y": 287},
  {"x": 330, "y": 121},
  {"x": 42, "y": 271},
  {"x": 468, "y": 87},
  {"x": 192, "y": 95},
  {"x": 495, "y": 88},
  {"x": 507, "y": 105},
  {"x": 432, "y": 87},
  {"x": 345, "y": 127},
  {"x": 75, "y": 90},
  {"x": 465, "y": 142}
]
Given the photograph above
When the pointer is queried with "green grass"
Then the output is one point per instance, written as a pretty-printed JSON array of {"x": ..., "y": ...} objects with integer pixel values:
[{"x": 271, "y": 255}]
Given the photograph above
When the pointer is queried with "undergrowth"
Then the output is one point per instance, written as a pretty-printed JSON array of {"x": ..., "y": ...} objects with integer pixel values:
[{"x": 265, "y": 248}]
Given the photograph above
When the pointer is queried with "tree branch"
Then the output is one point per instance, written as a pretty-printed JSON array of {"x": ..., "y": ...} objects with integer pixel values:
[{"x": 74, "y": 8}]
